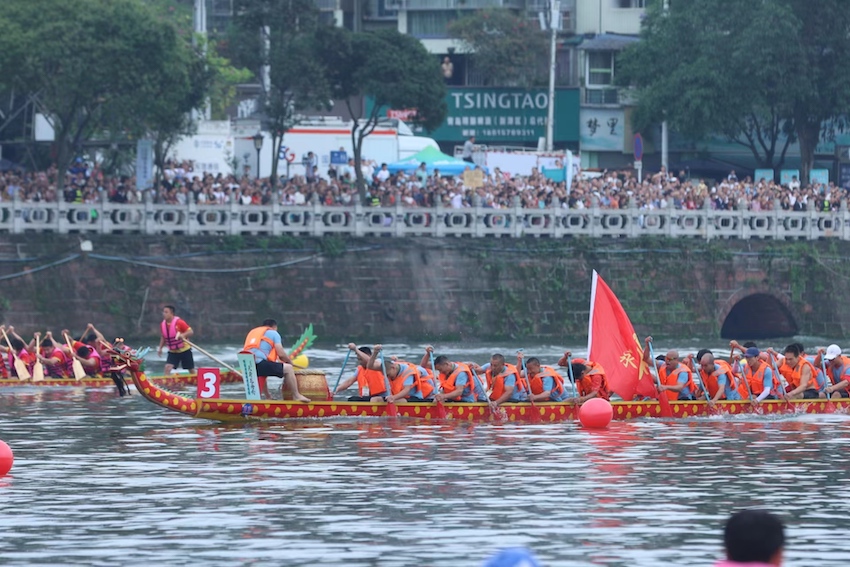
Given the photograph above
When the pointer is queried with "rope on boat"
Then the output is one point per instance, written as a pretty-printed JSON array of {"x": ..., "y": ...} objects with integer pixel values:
[{"x": 44, "y": 267}]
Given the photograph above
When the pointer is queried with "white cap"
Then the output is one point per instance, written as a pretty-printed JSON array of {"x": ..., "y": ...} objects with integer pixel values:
[{"x": 832, "y": 351}]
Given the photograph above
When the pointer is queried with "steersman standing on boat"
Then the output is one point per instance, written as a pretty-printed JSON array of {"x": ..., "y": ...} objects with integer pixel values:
[{"x": 173, "y": 330}]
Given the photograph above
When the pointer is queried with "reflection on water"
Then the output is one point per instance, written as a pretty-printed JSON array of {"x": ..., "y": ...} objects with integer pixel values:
[{"x": 109, "y": 481}]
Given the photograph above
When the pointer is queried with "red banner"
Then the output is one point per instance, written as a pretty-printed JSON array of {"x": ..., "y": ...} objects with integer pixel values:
[{"x": 612, "y": 342}]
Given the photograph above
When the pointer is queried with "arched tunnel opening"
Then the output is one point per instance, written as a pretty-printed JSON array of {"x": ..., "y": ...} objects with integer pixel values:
[{"x": 758, "y": 316}]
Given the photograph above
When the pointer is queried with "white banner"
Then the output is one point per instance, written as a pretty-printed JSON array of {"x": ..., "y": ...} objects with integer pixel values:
[{"x": 144, "y": 164}]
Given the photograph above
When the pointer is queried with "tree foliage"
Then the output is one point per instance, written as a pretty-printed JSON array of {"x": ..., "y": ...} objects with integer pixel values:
[
  {"x": 283, "y": 36},
  {"x": 96, "y": 64},
  {"x": 392, "y": 69},
  {"x": 506, "y": 48},
  {"x": 752, "y": 71}
]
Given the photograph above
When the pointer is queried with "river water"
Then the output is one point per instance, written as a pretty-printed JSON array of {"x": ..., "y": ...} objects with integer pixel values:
[{"x": 100, "y": 480}]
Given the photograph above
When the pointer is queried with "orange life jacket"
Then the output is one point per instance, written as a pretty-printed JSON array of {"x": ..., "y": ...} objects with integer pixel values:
[
  {"x": 673, "y": 380},
  {"x": 830, "y": 379},
  {"x": 536, "y": 381},
  {"x": 257, "y": 336},
  {"x": 756, "y": 379},
  {"x": 423, "y": 385},
  {"x": 710, "y": 380},
  {"x": 584, "y": 385},
  {"x": 497, "y": 383},
  {"x": 795, "y": 375},
  {"x": 448, "y": 382},
  {"x": 371, "y": 380}
]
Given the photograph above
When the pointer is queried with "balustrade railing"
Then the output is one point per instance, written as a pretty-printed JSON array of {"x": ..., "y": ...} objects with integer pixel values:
[{"x": 399, "y": 221}]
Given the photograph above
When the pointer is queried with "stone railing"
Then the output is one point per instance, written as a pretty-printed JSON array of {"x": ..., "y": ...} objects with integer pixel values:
[{"x": 318, "y": 220}]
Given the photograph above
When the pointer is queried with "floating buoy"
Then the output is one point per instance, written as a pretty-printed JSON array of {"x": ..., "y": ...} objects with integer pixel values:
[
  {"x": 6, "y": 458},
  {"x": 596, "y": 413},
  {"x": 301, "y": 362}
]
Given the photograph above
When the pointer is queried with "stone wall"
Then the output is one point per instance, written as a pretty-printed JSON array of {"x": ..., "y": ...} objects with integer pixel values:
[{"x": 422, "y": 289}]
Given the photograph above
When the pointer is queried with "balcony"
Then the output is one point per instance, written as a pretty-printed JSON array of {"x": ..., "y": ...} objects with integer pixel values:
[{"x": 423, "y": 5}]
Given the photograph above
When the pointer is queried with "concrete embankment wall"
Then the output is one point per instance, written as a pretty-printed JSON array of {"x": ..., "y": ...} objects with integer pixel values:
[{"x": 419, "y": 289}]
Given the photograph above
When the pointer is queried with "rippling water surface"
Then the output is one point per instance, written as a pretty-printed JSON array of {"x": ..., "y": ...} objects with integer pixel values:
[{"x": 100, "y": 480}]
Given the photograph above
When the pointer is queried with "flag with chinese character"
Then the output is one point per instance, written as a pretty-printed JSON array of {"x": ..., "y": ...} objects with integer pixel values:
[{"x": 612, "y": 342}]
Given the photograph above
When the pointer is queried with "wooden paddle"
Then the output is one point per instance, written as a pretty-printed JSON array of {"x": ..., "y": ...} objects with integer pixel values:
[
  {"x": 38, "y": 367},
  {"x": 666, "y": 410},
  {"x": 746, "y": 382},
  {"x": 20, "y": 366},
  {"x": 211, "y": 357},
  {"x": 573, "y": 382},
  {"x": 76, "y": 365},
  {"x": 441, "y": 409},
  {"x": 535, "y": 413},
  {"x": 830, "y": 406},
  {"x": 780, "y": 378},
  {"x": 392, "y": 411},
  {"x": 341, "y": 372}
]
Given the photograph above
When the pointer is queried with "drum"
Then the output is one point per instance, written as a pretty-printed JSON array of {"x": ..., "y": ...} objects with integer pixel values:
[{"x": 311, "y": 383}]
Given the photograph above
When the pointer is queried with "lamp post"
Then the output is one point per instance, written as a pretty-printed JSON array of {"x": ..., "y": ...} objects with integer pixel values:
[
  {"x": 553, "y": 21},
  {"x": 258, "y": 145}
]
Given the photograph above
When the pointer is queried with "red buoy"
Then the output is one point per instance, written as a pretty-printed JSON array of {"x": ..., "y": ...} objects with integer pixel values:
[
  {"x": 6, "y": 458},
  {"x": 595, "y": 413}
]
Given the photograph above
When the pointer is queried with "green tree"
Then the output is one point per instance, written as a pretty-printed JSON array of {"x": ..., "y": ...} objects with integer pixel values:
[
  {"x": 506, "y": 48},
  {"x": 393, "y": 69},
  {"x": 751, "y": 71},
  {"x": 93, "y": 64},
  {"x": 283, "y": 34}
]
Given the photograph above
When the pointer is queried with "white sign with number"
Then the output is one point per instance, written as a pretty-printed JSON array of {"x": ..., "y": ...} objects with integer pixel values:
[
  {"x": 209, "y": 383},
  {"x": 249, "y": 375}
]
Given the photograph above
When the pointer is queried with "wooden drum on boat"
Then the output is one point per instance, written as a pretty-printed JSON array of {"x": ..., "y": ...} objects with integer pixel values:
[{"x": 311, "y": 383}]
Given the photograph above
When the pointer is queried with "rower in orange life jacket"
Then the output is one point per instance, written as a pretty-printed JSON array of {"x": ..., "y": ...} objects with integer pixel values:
[
  {"x": 590, "y": 380},
  {"x": 457, "y": 382},
  {"x": 763, "y": 384},
  {"x": 546, "y": 383},
  {"x": 718, "y": 379},
  {"x": 370, "y": 379},
  {"x": 676, "y": 379},
  {"x": 503, "y": 381},
  {"x": 837, "y": 369},
  {"x": 800, "y": 374},
  {"x": 408, "y": 381}
]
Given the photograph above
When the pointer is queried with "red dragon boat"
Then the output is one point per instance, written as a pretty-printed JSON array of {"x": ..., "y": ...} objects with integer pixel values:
[{"x": 313, "y": 383}]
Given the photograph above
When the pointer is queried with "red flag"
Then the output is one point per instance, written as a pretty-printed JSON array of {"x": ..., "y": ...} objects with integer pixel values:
[{"x": 612, "y": 342}]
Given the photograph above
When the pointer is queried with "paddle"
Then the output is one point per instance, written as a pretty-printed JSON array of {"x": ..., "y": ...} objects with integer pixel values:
[
  {"x": 441, "y": 409},
  {"x": 830, "y": 406},
  {"x": 341, "y": 372},
  {"x": 535, "y": 413},
  {"x": 20, "y": 366},
  {"x": 666, "y": 410},
  {"x": 392, "y": 411},
  {"x": 479, "y": 384},
  {"x": 211, "y": 357},
  {"x": 746, "y": 382},
  {"x": 573, "y": 382},
  {"x": 38, "y": 367},
  {"x": 780, "y": 378},
  {"x": 76, "y": 365}
]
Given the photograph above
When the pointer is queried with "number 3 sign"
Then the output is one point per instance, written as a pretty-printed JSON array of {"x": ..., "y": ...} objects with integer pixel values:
[{"x": 209, "y": 383}]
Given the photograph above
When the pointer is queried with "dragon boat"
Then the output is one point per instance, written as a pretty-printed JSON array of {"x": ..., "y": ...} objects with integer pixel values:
[{"x": 314, "y": 385}]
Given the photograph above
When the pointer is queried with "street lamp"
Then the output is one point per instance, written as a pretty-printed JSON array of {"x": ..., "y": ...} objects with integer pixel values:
[
  {"x": 551, "y": 21},
  {"x": 258, "y": 145}
]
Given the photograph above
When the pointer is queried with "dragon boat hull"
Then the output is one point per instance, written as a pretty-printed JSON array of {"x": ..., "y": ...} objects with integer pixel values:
[
  {"x": 166, "y": 381},
  {"x": 236, "y": 410}
]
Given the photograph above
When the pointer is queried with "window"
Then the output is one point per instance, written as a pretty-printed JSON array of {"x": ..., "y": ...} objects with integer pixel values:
[
  {"x": 600, "y": 68},
  {"x": 631, "y": 3},
  {"x": 432, "y": 23}
]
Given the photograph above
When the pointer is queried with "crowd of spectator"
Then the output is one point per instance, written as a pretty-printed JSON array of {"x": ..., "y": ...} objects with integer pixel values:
[{"x": 180, "y": 185}]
